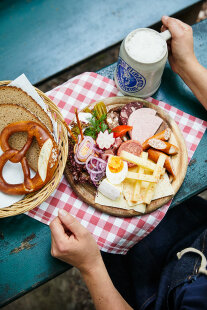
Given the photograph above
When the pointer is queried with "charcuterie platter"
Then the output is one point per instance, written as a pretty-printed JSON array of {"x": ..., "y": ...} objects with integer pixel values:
[{"x": 126, "y": 157}]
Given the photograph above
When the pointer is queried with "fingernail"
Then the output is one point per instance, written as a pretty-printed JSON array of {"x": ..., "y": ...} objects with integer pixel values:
[
  {"x": 62, "y": 212},
  {"x": 165, "y": 17}
]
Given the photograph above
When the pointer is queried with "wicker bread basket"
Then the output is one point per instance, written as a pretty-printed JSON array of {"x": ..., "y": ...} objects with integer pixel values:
[{"x": 33, "y": 200}]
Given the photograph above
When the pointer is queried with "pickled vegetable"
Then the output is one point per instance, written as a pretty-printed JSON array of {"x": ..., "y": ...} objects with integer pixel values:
[
  {"x": 100, "y": 109},
  {"x": 75, "y": 129},
  {"x": 87, "y": 110}
]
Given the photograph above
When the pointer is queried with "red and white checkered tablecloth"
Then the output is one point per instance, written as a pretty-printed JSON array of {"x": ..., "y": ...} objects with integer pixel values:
[{"x": 113, "y": 234}]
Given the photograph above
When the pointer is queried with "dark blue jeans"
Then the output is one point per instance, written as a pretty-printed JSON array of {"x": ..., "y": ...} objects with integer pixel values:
[{"x": 144, "y": 276}]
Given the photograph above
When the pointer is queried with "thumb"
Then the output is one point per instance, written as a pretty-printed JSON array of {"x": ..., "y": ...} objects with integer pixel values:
[{"x": 71, "y": 223}]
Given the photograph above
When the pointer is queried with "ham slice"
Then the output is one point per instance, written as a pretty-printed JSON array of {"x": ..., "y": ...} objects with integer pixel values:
[
  {"x": 145, "y": 124},
  {"x": 144, "y": 111}
]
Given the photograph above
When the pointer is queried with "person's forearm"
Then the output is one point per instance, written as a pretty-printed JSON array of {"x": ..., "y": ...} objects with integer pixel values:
[
  {"x": 195, "y": 76},
  {"x": 104, "y": 294}
]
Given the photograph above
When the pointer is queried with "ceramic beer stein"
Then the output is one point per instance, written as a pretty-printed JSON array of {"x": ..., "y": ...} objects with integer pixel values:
[{"x": 142, "y": 58}]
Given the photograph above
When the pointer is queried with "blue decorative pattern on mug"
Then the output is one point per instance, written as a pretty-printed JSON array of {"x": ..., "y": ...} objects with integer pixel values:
[{"x": 129, "y": 79}]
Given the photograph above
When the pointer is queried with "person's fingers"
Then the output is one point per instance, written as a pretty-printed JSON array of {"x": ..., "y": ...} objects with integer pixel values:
[
  {"x": 175, "y": 26},
  {"x": 53, "y": 246},
  {"x": 57, "y": 231},
  {"x": 163, "y": 28},
  {"x": 71, "y": 223},
  {"x": 164, "y": 20},
  {"x": 182, "y": 24},
  {"x": 169, "y": 49}
]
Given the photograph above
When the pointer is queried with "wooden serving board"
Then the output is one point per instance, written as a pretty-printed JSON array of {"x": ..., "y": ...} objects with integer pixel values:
[{"x": 87, "y": 192}]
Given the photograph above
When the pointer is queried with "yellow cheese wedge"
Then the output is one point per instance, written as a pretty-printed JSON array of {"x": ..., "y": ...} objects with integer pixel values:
[
  {"x": 145, "y": 163},
  {"x": 156, "y": 174},
  {"x": 141, "y": 177},
  {"x": 138, "y": 184},
  {"x": 119, "y": 203}
]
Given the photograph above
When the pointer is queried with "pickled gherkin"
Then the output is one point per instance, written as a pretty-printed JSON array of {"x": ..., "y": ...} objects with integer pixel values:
[
  {"x": 87, "y": 110},
  {"x": 75, "y": 129},
  {"x": 100, "y": 109}
]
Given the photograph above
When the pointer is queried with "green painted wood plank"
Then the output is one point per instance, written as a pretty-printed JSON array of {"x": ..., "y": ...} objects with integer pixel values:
[
  {"x": 43, "y": 37},
  {"x": 25, "y": 260}
]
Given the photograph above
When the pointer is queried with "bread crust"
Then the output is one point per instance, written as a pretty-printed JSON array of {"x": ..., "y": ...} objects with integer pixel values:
[
  {"x": 15, "y": 95},
  {"x": 10, "y": 113}
]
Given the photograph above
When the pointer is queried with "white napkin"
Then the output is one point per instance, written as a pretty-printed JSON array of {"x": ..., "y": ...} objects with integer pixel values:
[
  {"x": 23, "y": 83},
  {"x": 9, "y": 171}
]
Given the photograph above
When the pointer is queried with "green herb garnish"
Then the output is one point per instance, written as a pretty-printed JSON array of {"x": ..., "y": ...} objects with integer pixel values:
[{"x": 96, "y": 125}]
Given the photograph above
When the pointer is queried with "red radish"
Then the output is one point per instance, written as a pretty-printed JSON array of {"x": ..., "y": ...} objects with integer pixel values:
[{"x": 105, "y": 140}]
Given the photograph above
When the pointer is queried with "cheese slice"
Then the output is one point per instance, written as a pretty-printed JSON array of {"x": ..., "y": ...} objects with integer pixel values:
[
  {"x": 163, "y": 189},
  {"x": 119, "y": 203},
  {"x": 157, "y": 173},
  {"x": 128, "y": 191},
  {"x": 138, "y": 184},
  {"x": 110, "y": 190}
]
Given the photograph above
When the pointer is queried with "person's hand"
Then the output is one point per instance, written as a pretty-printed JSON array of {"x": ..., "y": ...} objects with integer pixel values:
[
  {"x": 180, "y": 47},
  {"x": 73, "y": 243}
]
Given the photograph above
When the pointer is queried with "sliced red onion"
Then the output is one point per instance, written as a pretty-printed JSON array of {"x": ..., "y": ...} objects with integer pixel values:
[
  {"x": 101, "y": 166},
  {"x": 77, "y": 161},
  {"x": 98, "y": 169},
  {"x": 96, "y": 178},
  {"x": 93, "y": 165},
  {"x": 90, "y": 171},
  {"x": 97, "y": 158},
  {"x": 93, "y": 159},
  {"x": 80, "y": 145},
  {"x": 98, "y": 150}
]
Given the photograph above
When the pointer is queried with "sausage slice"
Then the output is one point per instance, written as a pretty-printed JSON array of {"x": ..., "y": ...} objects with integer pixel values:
[{"x": 130, "y": 146}]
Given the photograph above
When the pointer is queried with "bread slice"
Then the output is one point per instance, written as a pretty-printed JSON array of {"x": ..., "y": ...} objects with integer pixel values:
[
  {"x": 10, "y": 113},
  {"x": 14, "y": 95}
]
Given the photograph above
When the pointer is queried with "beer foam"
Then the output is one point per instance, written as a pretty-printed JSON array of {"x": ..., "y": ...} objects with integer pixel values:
[{"x": 145, "y": 45}]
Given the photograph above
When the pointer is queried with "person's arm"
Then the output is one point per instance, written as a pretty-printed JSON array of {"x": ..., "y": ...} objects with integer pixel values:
[
  {"x": 182, "y": 58},
  {"x": 74, "y": 244}
]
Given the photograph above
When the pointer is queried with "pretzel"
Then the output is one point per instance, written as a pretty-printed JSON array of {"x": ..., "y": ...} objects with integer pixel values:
[{"x": 47, "y": 161}]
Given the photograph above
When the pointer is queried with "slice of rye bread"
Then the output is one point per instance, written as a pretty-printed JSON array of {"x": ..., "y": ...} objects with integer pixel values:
[
  {"x": 10, "y": 113},
  {"x": 14, "y": 95}
]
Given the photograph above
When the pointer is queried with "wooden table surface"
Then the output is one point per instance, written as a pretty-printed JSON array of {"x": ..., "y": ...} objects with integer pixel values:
[
  {"x": 43, "y": 37},
  {"x": 25, "y": 260}
]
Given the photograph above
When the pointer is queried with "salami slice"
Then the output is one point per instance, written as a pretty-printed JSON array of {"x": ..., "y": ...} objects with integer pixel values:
[
  {"x": 130, "y": 146},
  {"x": 127, "y": 110},
  {"x": 106, "y": 154},
  {"x": 112, "y": 119}
]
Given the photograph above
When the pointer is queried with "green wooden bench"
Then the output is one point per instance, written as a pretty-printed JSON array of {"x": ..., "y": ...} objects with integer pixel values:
[
  {"x": 44, "y": 46},
  {"x": 25, "y": 260}
]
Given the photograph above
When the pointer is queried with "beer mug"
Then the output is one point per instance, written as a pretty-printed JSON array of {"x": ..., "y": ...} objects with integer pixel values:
[{"x": 142, "y": 58}]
